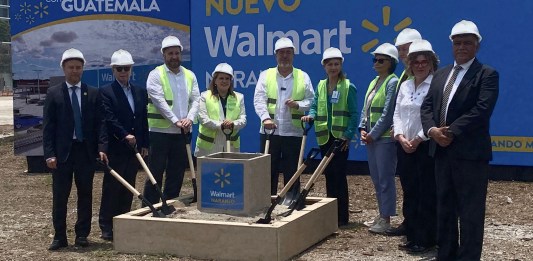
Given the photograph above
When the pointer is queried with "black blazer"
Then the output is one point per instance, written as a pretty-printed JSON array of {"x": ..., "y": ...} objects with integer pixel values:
[
  {"x": 469, "y": 112},
  {"x": 121, "y": 120},
  {"x": 58, "y": 122}
]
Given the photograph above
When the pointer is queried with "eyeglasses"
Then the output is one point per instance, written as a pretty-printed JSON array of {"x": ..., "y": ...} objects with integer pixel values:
[
  {"x": 422, "y": 63},
  {"x": 380, "y": 60},
  {"x": 121, "y": 68}
]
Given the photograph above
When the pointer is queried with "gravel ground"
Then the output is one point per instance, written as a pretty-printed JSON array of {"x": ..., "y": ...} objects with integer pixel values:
[{"x": 26, "y": 227}]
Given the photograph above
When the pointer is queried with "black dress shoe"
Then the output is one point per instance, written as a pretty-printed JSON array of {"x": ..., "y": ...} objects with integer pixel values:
[
  {"x": 396, "y": 231},
  {"x": 405, "y": 245},
  {"x": 108, "y": 236},
  {"x": 416, "y": 249},
  {"x": 57, "y": 244},
  {"x": 81, "y": 241}
]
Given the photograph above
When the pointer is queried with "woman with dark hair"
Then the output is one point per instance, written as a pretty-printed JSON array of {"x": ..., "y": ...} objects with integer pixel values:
[
  {"x": 375, "y": 127},
  {"x": 220, "y": 108},
  {"x": 419, "y": 191},
  {"x": 334, "y": 111}
]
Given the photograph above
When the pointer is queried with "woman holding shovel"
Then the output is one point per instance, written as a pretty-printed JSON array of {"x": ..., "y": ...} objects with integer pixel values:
[
  {"x": 334, "y": 111},
  {"x": 221, "y": 114}
]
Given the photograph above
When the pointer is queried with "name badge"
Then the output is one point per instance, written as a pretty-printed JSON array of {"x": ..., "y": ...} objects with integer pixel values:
[{"x": 335, "y": 97}]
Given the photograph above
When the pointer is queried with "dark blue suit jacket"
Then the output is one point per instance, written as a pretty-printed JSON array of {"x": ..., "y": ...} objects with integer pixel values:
[
  {"x": 469, "y": 111},
  {"x": 58, "y": 122},
  {"x": 121, "y": 120}
]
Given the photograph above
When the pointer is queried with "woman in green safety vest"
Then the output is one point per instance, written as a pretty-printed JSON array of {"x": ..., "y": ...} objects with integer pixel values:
[
  {"x": 220, "y": 108},
  {"x": 375, "y": 126},
  {"x": 334, "y": 111}
]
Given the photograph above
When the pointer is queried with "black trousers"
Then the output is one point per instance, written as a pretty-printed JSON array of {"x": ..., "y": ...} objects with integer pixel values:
[
  {"x": 117, "y": 199},
  {"x": 284, "y": 152},
  {"x": 461, "y": 196},
  {"x": 419, "y": 195},
  {"x": 167, "y": 155},
  {"x": 80, "y": 167},
  {"x": 336, "y": 181}
]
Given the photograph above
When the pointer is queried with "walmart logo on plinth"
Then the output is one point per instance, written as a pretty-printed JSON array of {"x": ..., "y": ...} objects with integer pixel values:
[{"x": 222, "y": 178}]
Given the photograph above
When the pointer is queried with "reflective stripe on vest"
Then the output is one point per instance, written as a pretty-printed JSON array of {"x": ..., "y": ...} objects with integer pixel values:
[
  {"x": 339, "y": 112},
  {"x": 378, "y": 103},
  {"x": 206, "y": 136},
  {"x": 298, "y": 93},
  {"x": 155, "y": 119}
]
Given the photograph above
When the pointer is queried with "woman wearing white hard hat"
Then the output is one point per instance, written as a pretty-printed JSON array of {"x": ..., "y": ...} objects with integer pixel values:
[
  {"x": 375, "y": 127},
  {"x": 418, "y": 168},
  {"x": 221, "y": 109},
  {"x": 334, "y": 111}
]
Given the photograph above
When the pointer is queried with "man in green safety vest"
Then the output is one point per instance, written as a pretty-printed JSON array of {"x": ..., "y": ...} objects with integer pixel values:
[
  {"x": 172, "y": 106},
  {"x": 282, "y": 95}
]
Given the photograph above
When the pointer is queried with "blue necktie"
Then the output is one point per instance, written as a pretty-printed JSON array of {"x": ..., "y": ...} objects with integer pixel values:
[{"x": 78, "y": 130}]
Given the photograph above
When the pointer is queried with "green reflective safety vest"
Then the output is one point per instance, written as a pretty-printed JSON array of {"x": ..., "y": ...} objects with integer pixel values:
[
  {"x": 298, "y": 93},
  {"x": 378, "y": 103},
  {"x": 340, "y": 116},
  {"x": 206, "y": 136},
  {"x": 155, "y": 119}
]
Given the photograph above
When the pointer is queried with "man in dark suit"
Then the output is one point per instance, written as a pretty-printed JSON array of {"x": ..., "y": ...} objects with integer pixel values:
[
  {"x": 456, "y": 114},
  {"x": 124, "y": 107},
  {"x": 73, "y": 136}
]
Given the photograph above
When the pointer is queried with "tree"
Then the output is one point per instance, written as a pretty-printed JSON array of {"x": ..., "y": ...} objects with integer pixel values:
[{"x": 5, "y": 35}]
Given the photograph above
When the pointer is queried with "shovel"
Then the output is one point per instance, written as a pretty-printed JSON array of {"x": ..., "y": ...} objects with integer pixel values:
[
  {"x": 304, "y": 140},
  {"x": 268, "y": 133},
  {"x": 300, "y": 201},
  {"x": 228, "y": 132},
  {"x": 166, "y": 209},
  {"x": 136, "y": 193},
  {"x": 268, "y": 216},
  {"x": 188, "y": 199}
]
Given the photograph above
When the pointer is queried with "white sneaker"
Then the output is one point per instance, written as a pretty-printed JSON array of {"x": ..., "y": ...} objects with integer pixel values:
[
  {"x": 372, "y": 222},
  {"x": 380, "y": 227}
]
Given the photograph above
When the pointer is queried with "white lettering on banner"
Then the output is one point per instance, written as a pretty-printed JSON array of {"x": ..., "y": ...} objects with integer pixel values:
[
  {"x": 240, "y": 80},
  {"x": 247, "y": 44},
  {"x": 109, "y": 6},
  {"x": 221, "y": 194}
]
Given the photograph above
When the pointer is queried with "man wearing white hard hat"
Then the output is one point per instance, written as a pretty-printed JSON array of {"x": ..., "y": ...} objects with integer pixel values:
[
  {"x": 403, "y": 41},
  {"x": 456, "y": 116},
  {"x": 73, "y": 137},
  {"x": 172, "y": 107},
  {"x": 414, "y": 163},
  {"x": 282, "y": 95},
  {"x": 334, "y": 111},
  {"x": 221, "y": 109},
  {"x": 127, "y": 126},
  {"x": 375, "y": 130}
]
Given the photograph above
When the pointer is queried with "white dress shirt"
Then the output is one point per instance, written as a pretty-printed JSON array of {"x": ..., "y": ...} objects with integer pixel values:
[
  {"x": 460, "y": 76},
  {"x": 220, "y": 139},
  {"x": 129, "y": 95},
  {"x": 407, "y": 112},
  {"x": 283, "y": 118},
  {"x": 184, "y": 106}
]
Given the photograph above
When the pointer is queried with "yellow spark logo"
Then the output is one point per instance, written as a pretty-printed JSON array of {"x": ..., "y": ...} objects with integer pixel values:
[
  {"x": 386, "y": 21},
  {"x": 222, "y": 178},
  {"x": 41, "y": 10}
]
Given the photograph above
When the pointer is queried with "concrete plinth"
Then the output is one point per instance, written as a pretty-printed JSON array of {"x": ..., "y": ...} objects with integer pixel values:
[
  {"x": 234, "y": 183},
  {"x": 280, "y": 240}
]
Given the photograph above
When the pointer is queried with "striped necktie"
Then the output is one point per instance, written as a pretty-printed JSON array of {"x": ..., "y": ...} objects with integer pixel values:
[
  {"x": 446, "y": 95},
  {"x": 78, "y": 130}
]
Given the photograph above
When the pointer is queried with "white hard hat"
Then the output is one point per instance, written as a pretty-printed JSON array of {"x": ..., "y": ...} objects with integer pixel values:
[
  {"x": 387, "y": 49},
  {"x": 121, "y": 57},
  {"x": 420, "y": 46},
  {"x": 332, "y": 52},
  {"x": 283, "y": 42},
  {"x": 406, "y": 36},
  {"x": 223, "y": 68},
  {"x": 465, "y": 27},
  {"x": 72, "y": 54},
  {"x": 170, "y": 41}
]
